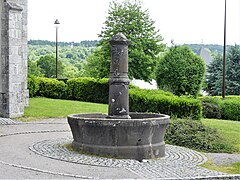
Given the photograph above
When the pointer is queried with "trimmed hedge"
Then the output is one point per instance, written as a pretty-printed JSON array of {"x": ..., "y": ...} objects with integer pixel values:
[
  {"x": 88, "y": 89},
  {"x": 96, "y": 90},
  {"x": 51, "y": 88},
  {"x": 231, "y": 109},
  {"x": 33, "y": 86},
  {"x": 158, "y": 101},
  {"x": 215, "y": 107}
]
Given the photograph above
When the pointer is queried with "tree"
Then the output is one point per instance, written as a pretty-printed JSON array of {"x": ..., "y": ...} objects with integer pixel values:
[
  {"x": 181, "y": 71},
  {"x": 33, "y": 69},
  {"x": 130, "y": 19},
  {"x": 48, "y": 66},
  {"x": 214, "y": 73}
]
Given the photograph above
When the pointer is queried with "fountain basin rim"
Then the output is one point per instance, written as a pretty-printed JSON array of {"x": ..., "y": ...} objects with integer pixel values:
[{"x": 99, "y": 118}]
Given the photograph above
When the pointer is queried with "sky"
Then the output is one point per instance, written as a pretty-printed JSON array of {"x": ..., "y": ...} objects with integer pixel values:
[{"x": 183, "y": 21}]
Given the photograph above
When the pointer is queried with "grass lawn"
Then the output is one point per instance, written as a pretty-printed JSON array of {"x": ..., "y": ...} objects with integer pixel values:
[
  {"x": 231, "y": 169},
  {"x": 230, "y": 130},
  {"x": 41, "y": 108}
]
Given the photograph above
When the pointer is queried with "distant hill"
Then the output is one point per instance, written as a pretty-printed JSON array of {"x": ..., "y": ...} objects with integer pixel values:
[
  {"x": 213, "y": 48},
  {"x": 87, "y": 43}
]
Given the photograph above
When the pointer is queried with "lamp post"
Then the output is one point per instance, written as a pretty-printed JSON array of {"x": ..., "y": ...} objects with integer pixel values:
[
  {"x": 224, "y": 54},
  {"x": 57, "y": 23}
]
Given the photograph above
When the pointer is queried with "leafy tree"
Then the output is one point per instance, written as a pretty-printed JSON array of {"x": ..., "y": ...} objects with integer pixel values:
[
  {"x": 130, "y": 19},
  {"x": 48, "y": 66},
  {"x": 181, "y": 71},
  {"x": 96, "y": 66},
  {"x": 33, "y": 69},
  {"x": 214, "y": 73}
]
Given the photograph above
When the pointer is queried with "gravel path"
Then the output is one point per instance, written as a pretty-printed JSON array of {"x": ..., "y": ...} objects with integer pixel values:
[{"x": 223, "y": 158}]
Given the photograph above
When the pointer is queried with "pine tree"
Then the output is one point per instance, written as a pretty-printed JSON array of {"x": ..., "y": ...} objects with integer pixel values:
[{"x": 214, "y": 75}]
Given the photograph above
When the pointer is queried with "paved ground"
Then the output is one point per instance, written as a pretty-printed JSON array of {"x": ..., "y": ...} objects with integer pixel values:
[{"x": 37, "y": 150}]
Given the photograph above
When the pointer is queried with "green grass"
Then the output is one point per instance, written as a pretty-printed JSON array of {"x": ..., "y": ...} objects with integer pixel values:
[
  {"x": 230, "y": 169},
  {"x": 41, "y": 108},
  {"x": 229, "y": 130}
]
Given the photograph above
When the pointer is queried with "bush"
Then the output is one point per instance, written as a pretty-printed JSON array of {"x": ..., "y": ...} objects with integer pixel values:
[
  {"x": 33, "y": 86},
  {"x": 215, "y": 107},
  {"x": 230, "y": 109},
  {"x": 195, "y": 135},
  {"x": 181, "y": 71},
  {"x": 88, "y": 89},
  {"x": 158, "y": 101},
  {"x": 211, "y": 108},
  {"x": 51, "y": 88}
]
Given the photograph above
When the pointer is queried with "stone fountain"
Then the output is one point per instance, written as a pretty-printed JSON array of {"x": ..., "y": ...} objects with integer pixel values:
[{"x": 119, "y": 134}]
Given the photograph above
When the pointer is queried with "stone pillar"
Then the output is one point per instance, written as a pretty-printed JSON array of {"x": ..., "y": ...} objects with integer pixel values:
[
  {"x": 13, "y": 59},
  {"x": 118, "y": 81}
]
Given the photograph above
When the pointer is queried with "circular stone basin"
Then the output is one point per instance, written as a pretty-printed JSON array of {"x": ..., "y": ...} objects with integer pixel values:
[{"x": 141, "y": 137}]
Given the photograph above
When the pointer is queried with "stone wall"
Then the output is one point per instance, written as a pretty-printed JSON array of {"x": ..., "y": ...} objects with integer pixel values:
[{"x": 13, "y": 59}]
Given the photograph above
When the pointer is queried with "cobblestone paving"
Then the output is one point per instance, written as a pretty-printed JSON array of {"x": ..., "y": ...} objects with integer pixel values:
[
  {"x": 179, "y": 162},
  {"x": 7, "y": 121}
]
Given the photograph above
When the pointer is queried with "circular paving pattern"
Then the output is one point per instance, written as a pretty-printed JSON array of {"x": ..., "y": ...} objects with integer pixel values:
[{"x": 179, "y": 162}]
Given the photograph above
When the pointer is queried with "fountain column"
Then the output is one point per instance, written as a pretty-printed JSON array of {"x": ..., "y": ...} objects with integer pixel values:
[{"x": 118, "y": 81}]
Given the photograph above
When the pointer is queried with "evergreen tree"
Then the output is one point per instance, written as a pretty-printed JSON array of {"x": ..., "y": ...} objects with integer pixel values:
[
  {"x": 233, "y": 71},
  {"x": 214, "y": 73}
]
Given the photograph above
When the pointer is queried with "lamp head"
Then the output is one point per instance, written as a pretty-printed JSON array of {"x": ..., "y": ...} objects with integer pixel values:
[{"x": 57, "y": 23}]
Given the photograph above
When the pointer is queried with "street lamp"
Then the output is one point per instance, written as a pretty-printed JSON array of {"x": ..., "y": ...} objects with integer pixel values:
[
  {"x": 57, "y": 23},
  {"x": 224, "y": 53}
]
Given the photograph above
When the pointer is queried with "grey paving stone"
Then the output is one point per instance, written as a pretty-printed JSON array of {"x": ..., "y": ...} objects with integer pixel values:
[
  {"x": 7, "y": 121},
  {"x": 179, "y": 162}
]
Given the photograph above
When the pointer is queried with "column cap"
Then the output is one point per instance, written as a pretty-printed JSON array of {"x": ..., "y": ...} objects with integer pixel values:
[{"x": 119, "y": 39}]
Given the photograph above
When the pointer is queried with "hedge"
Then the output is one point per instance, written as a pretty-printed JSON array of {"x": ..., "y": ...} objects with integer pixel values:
[
  {"x": 96, "y": 90},
  {"x": 51, "y": 88},
  {"x": 33, "y": 86},
  {"x": 216, "y": 107},
  {"x": 87, "y": 89},
  {"x": 158, "y": 101}
]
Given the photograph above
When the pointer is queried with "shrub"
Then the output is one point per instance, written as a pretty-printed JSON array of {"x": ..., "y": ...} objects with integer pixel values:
[
  {"x": 33, "y": 86},
  {"x": 195, "y": 135},
  {"x": 88, "y": 89},
  {"x": 211, "y": 108},
  {"x": 181, "y": 71},
  {"x": 215, "y": 107},
  {"x": 230, "y": 109},
  {"x": 51, "y": 88},
  {"x": 165, "y": 103}
]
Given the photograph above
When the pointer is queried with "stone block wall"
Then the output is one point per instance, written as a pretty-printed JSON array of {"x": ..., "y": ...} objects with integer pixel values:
[{"x": 13, "y": 59}]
